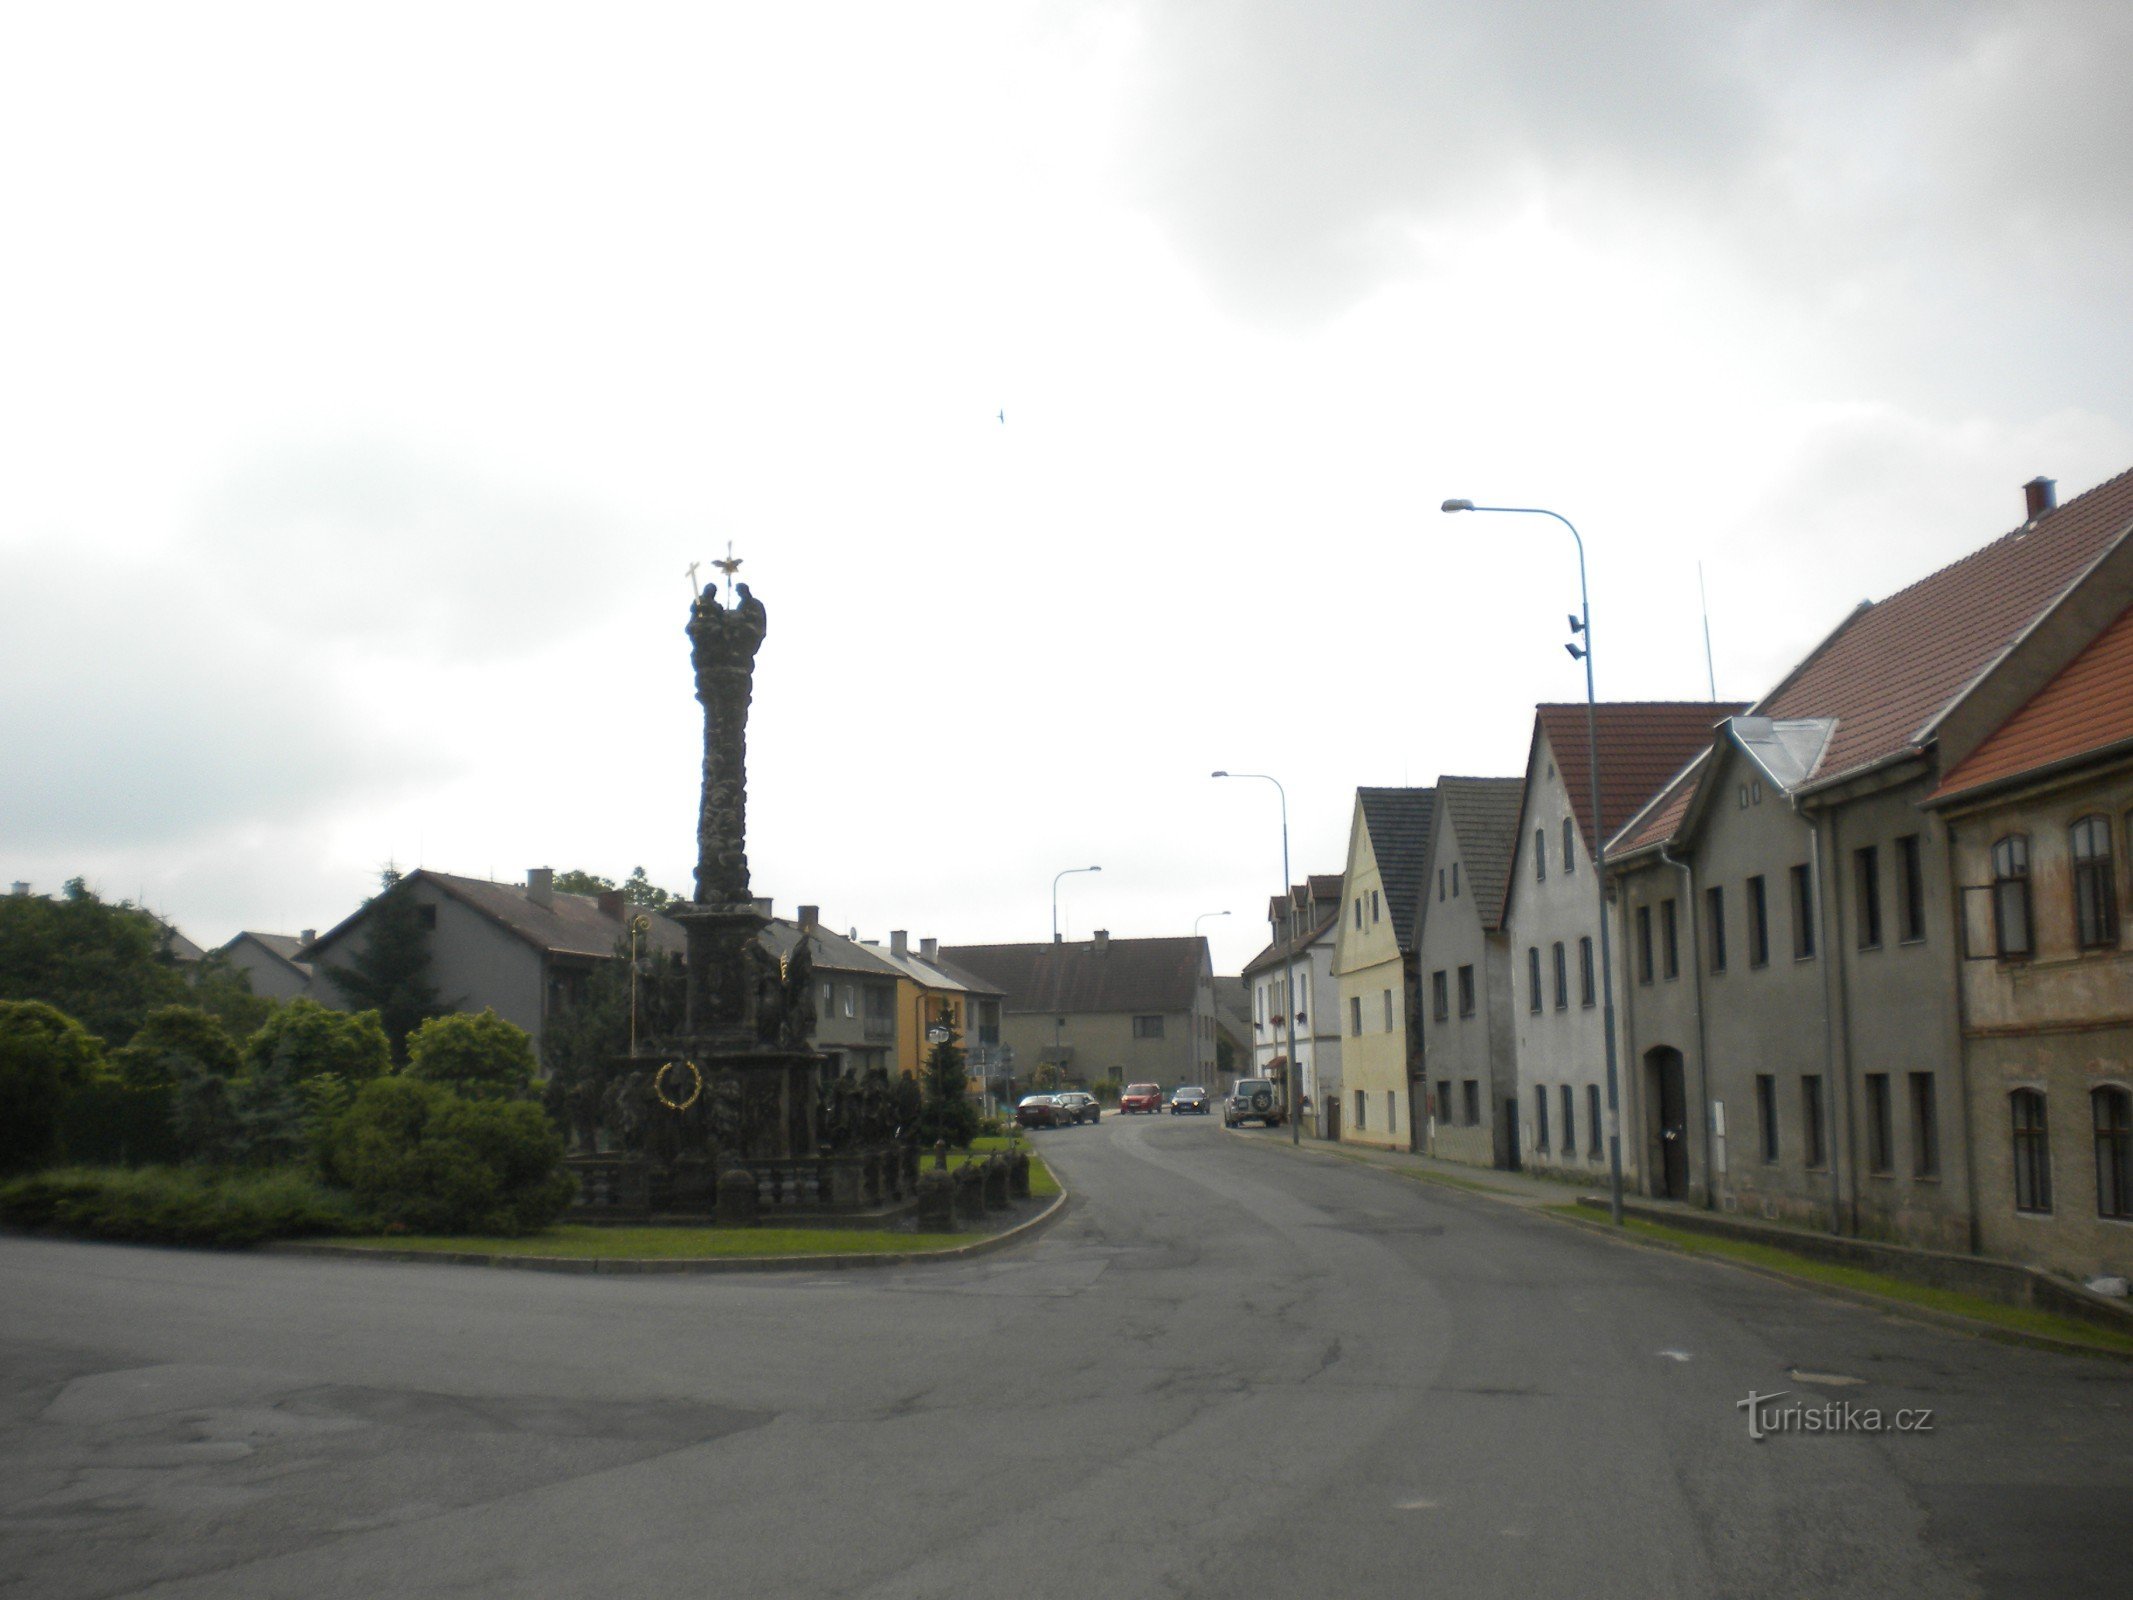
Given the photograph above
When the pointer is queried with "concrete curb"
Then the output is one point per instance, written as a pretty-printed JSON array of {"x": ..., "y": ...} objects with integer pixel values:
[
  {"x": 605, "y": 1266},
  {"x": 1536, "y": 1206}
]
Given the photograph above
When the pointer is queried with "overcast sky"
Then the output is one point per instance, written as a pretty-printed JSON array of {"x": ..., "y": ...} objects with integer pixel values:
[{"x": 370, "y": 376}]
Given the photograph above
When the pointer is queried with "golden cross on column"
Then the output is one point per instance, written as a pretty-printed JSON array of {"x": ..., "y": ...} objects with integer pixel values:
[{"x": 729, "y": 567}]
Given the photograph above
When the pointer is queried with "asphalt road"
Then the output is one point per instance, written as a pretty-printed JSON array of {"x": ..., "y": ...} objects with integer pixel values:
[{"x": 1229, "y": 1370}]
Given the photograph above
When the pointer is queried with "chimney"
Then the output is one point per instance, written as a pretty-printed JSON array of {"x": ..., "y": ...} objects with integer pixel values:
[
  {"x": 929, "y": 949},
  {"x": 613, "y": 903},
  {"x": 2040, "y": 495},
  {"x": 18, "y": 887},
  {"x": 762, "y": 908},
  {"x": 308, "y": 936},
  {"x": 540, "y": 885},
  {"x": 899, "y": 941},
  {"x": 1103, "y": 940},
  {"x": 810, "y": 918}
]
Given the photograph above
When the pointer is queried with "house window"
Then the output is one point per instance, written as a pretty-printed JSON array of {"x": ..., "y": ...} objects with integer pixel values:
[
  {"x": 1811, "y": 1123},
  {"x": 829, "y": 998},
  {"x": 1669, "y": 939},
  {"x": 1358, "y": 913},
  {"x": 1925, "y": 1128},
  {"x": 1533, "y": 978},
  {"x": 1880, "y": 1151},
  {"x": 1540, "y": 854},
  {"x": 1147, "y": 1027},
  {"x": 2010, "y": 896},
  {"x": 1362, "y": 1108},
  {"x": 1562, "y": 979},
  {"x": 1355, "y": 1016},
  {"x": 2032, "y": 1152},
  {"x": 1440, "y": 885},
  {"x": 1374, "y": 908},
  {"x": 1570, "y": 1127},
  {"x": 1758, "y": 923},
  {"x": 1714, "y": 916},
  {"x": 2113, "y": 1110},
  {"x": 1388, "y": 1011},
  {"x": 1803, "y": 913},
  {"x": 1455, "y": 880},
  {"x": 850, "y": 1004},
  {"x": 1440, "y": 1004},
  {"x": 1570, "y": 855},
  {"x": 1392, "y": 1113},
  {"x": 1766, "y": 1117},
  {"x": 427, "y": 916},
  {"x": 1585, "y": 985},
  {"x": 1540, "y": 1117},
  {"x": 1471, "y": 1092},
  {"x": 1466, "y": 991},
  {"x": 1910, "y": 889},
  {"x": 1592, "y": 1120},
  {"x": 2095, "y": 890},
  {"x": 1866, "y": 891},
  {"x": 1644, "y": 944}
]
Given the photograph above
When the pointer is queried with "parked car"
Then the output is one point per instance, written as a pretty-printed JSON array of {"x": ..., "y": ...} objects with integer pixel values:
[
  {"x": 1037, "y": 1111},
  {"x": 1146, "y": 1097},
  {"x": 1075, "y": 1106},
  {"x": 1253, "y": 1100},
  {"x": 1189, "y": 1101}
]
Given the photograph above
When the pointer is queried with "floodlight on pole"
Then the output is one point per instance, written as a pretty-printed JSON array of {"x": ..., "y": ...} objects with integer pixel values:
[{"x": 1582, "y": 626}]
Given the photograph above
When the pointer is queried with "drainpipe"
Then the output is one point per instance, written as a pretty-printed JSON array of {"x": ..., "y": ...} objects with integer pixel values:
[
  {"x": 1703, "y": 1042},
  {"x": 1954, "y": 901},
  {"x": 1830, "y": 1003}
]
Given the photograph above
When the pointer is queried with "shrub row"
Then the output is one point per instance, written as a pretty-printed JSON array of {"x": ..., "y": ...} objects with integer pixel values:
[{"x": 175, "y": 1205}]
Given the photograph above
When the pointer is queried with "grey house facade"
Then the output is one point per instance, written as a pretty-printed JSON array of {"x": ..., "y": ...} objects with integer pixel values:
[
  {"x": 1469, "y": 1043},
  {"x": 274, "y": 963}
]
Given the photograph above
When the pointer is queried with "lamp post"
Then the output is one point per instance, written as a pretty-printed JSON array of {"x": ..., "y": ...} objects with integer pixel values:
[
  {"x": 1288, "y": 966},
  {"x": 1582, "y": 624},
  {"x": 1196, "y": 921},
  {"x": 1059, "y": 1022}
]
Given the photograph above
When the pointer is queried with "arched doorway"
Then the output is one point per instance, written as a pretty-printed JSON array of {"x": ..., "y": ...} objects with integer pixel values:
[{"x": 1667, "y": 1096}]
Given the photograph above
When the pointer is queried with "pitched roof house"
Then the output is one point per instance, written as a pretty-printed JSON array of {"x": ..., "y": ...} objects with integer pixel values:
[
  {"x": 272, "y": 962},
  {"x": 1293, "y": 974},
  {"x": 1373, "y": 964}
]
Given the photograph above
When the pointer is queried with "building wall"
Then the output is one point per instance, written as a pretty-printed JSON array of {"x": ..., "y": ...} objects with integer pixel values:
[
  {"x": 2060, "y": 1022},
  {"x": 1369, "y": 969},
  {"x": 1556, "y": 1045},
  {"x": 1104, "y": 1046},
  {"x": 842, "y": 1024},
  {"x": 1318, "y": 1040},
  {"x": 1463, "y": 1047},
  {"x": 475, "y": 964},
  {"x": 270, "y": 976}
]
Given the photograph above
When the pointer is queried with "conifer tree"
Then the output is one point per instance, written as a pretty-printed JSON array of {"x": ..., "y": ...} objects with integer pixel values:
[{"x": 390, "y": 974}]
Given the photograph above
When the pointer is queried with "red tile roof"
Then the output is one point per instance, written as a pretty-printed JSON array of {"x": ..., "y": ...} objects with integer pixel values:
[
  {"x": 1667, "y": 809},
  {"x": 1643, "y": 743},
  {"x": 1890, "y": 670},
  {"x": 2086, "y": 708}
]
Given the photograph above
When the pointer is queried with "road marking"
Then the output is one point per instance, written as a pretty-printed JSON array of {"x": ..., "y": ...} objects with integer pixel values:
[
  {"x": 1829, "y": 1379},
  {"x": 1417, "y": 1505},
  {"x": 1675, "y": 1355}
]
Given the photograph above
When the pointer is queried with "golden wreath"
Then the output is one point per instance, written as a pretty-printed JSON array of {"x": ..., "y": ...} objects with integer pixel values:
[{"x": 696, "y": 1085}]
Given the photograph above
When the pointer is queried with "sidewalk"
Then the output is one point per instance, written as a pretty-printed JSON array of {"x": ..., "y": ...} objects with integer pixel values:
[{"x": 1517, "y": 1188}]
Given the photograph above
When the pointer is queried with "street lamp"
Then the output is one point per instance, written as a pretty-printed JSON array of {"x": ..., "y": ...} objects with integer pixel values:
[
  {"x": 1068, "y": 873},
  {"x": 1288, "y": 969},
  {"x": 1196, "y": 921},
  {"x": 1059, "y": 1022},
  {"x": 1582, "y": 625}
]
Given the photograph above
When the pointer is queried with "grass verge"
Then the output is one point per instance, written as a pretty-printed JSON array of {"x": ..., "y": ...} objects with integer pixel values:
[
  {"x": 1950, "y": 1302},
  {"x": 581, "y": 1242}
]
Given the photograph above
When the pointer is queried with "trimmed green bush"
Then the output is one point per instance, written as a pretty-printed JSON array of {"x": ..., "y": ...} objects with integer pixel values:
[
  {"x": 421, "y": 1159},
  {"x": 481, "y": 1057},
  {"x": 46, "y": 1057},
  {"x": 175, "y": 1205},
  {"x": 304, "y": 1039}
]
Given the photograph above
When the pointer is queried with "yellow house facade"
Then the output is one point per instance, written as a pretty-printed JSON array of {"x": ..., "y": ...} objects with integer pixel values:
[{"x": 1373, "y": 964}]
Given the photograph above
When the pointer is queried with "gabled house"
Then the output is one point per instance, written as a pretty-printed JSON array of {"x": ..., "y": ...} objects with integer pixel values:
[
  {"x": 1294, "y": 974},
  {"x": 927, "y": 984},
  {"x": 855, "y": 995},
  {"x": 2039, "y": 820},
  {"x": 521, "y": 950},
  {"x": 1469, "y": 1043},
  {"x": 1552, "y": 913},
  {"x": 1124, "y": 1010},
  {"x": 1793, "y": 990},
  {"x": 274, "y": 963},
  {"x": 1374, "y": 965}
]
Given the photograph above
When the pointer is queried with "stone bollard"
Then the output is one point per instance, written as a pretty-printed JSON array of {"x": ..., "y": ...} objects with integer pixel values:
[
  {"x": 736, "y": 1198},
  {"x": 969, "y": 1193},
  {"x": 995, "y": 1184},
  {"x": 940, "y": 1155},
  {"x": 1018, "y": 1173},
  {"x": 936, "y": 1203}
]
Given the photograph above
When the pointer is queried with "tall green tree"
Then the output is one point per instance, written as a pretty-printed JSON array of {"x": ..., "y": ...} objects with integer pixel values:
[
  {"x": 105, "y": 965},
  {"x": 946, "y": 1112},
  {"x": 390, "y": 973},
  {"x": 637, "y": 889},
  {"x": 45, "y": 1057}
]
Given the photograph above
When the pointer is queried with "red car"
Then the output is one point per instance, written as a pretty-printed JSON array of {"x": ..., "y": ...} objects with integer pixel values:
[{"x": 1146, "y": 1097}]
